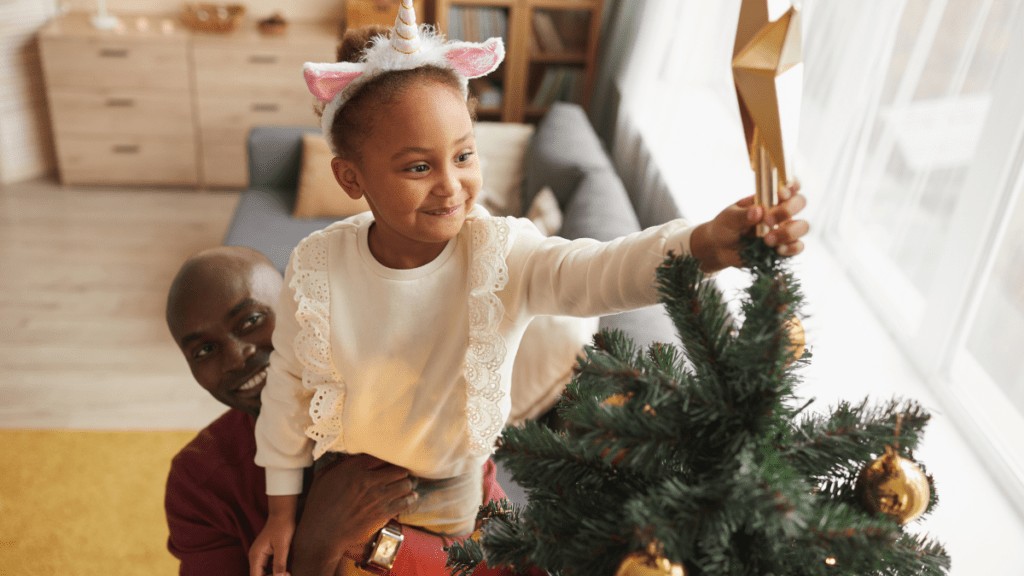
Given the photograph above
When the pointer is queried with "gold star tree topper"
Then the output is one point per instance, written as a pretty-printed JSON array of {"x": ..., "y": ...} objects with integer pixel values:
[{"x": 764, "y": 51}]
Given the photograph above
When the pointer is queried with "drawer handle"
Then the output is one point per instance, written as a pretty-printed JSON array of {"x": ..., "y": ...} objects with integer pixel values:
[
  {"x": 126, "y": 149},
  {"x": 120, "y": 102},
  {"x": 262, "y": 59},
  {"x": 265, "y": 107},
  {"x": 113, "y": 52}
]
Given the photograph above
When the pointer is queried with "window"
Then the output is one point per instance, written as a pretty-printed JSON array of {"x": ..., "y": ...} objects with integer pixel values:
[
  {"x": 926, "y": 208},
  {"x": 912, "y": 140}
]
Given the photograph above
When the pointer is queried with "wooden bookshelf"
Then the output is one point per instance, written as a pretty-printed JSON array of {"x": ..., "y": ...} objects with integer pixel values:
[{"x": 550, "y": 45}]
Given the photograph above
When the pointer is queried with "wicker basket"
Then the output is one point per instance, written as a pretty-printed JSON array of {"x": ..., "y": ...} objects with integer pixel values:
[{"x": 219, "y": 18}]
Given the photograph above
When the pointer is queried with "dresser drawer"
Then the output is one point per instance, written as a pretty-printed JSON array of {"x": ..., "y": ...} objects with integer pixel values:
[
  {"x": 127, "y": 159},
  {"x": 70, "y": 62},
  {"x": 231, "y": 70},
  {"x": 121, "y": 111},
  {"x": 256, "y": 108}
]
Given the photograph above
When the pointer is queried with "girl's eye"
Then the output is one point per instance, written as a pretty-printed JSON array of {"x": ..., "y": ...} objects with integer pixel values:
[
  {"x": 203, "y": 351},
  {"x": 464, "y": 157},
  {"x": 419, "y": 168}
]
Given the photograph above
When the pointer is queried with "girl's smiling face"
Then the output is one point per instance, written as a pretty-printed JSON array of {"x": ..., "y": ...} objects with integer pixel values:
[{"x": 419, "y": 171}]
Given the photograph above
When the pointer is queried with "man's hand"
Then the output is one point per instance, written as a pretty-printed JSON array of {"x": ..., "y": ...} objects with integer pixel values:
[
  {"x": 347, "y": 505},
  {"x": 717, "y": 243}
]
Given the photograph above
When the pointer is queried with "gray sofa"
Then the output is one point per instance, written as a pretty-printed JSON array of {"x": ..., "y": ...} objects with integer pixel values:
[{"x": 564, "y": 153}]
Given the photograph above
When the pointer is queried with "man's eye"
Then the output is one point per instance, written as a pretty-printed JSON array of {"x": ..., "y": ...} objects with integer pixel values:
[
  {"x": 253, "y": 320},
  {"x": 203, "y": 351}
]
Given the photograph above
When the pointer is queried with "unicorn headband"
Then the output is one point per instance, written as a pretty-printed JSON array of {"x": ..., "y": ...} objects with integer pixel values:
[{"x": 410, "y": 46}]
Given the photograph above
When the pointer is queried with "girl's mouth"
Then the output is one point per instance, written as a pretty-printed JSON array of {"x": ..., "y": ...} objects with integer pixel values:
[{"x": 444, "y": 211}]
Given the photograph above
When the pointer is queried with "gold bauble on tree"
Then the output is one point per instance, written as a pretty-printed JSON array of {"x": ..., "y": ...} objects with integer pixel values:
[
  {"x": 649, "y": 564},
  {"x": 797, "y": 338},
  {"x": 894, "y": 486}
]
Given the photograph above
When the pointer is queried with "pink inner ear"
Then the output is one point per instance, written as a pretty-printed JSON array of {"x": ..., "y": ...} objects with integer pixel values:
[
  {"x": 325, "y": 84},
  {"x": 478, "y": 60}
]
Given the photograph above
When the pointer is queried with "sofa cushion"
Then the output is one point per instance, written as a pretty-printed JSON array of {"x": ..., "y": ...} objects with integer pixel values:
[
  {"x": 263, "y": 221},
  {"x": 319, "y": 195},
  {"x": 563, "y": 147},
  {"x": 501, "y": 147},
  {"x": 599, "y": 208}
]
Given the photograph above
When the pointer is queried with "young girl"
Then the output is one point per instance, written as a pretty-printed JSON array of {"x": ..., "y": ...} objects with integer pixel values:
[{"x": 398, "y": 329}]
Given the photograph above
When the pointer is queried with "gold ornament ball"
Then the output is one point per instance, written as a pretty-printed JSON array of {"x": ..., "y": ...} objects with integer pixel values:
[
  {"x": 617, "y": 400},
  {"x": 894, "y": 486},
  {"x": 797, "y": 338},
  {"x": 642, "y": 564}
]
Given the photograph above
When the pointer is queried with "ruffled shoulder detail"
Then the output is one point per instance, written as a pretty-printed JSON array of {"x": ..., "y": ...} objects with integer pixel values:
[
  {"x": 312, "y": 344},
  {"x": 491, "y": 241}
]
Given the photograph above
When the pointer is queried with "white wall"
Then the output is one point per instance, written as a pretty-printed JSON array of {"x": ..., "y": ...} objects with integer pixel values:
[{"x": 26, "y": 149}]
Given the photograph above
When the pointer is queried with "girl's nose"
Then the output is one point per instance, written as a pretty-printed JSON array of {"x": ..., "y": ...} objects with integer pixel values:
[{"x": 449, "y": 184}]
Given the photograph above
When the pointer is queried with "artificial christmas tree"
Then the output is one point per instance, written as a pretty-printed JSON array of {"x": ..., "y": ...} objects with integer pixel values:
[{"x": 706, "y": 463}]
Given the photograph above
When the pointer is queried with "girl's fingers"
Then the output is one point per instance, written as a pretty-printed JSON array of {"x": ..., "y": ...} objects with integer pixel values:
[
  {"x": 257, "y": 561},
  {"x": 786, "y": 210},
  {"x": 787, "y": 233},
  {"x": 791, "y": 249},
  {"x": 748, "y": 201},
  {"x": 281, "y": 558}
]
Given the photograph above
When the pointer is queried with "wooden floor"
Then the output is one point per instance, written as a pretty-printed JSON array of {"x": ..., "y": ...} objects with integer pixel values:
[{"x": 83, "y": 277}]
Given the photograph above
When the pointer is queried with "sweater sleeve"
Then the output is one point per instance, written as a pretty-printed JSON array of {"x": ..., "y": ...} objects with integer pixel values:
[
  {"x": 282, "y": 447},
  {"x": 585, "y": 277},
  {"x": 202, "y": 546}
]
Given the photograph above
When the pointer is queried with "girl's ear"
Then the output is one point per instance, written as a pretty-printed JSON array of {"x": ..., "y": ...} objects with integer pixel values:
[{"x": 347, "y": 175}]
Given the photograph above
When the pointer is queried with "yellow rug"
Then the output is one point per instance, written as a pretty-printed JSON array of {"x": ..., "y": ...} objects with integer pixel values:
[{"x": 82, "y": 502}]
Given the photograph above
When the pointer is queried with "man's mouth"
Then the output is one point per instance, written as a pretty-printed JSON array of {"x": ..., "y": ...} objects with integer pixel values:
[{"x": 256, "y": 380}]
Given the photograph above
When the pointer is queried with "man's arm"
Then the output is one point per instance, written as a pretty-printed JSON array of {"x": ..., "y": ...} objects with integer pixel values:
[{"x": 201, "y": 547}]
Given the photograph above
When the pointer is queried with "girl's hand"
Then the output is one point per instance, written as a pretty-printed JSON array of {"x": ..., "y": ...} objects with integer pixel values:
[
  {"x": 274, "y": 540},
  {"x": 717, "y": 243}
]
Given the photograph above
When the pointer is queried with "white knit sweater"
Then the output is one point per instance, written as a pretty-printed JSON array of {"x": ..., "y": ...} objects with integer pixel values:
[{"x": 413, "y": 366}]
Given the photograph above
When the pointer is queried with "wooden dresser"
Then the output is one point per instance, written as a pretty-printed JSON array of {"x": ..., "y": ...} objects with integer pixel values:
[{"x": 154, "y": 103}]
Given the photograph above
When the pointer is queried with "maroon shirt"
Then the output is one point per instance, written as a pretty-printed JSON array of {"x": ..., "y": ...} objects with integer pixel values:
[{"x": 216, "y": 505}]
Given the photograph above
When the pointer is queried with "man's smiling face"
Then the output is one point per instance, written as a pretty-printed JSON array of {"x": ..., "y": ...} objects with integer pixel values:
[{"x": 220, "y": 313}]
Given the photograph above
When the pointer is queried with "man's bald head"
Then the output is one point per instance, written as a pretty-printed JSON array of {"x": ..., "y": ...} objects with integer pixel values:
[{"x": 220, "y": 313}]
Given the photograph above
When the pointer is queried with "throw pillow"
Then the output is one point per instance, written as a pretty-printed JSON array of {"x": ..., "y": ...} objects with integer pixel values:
[
  {"x": 502, "y": 147},
  {"x": 319, "y": 195}
]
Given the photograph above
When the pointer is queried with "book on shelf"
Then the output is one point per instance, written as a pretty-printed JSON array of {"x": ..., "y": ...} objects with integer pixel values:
[
  {"x": 559, "y": 83},
  {"x": 487, "y": 92},
  {"x": 477, "y": 23},
  {"x": 546, "y": 33}
]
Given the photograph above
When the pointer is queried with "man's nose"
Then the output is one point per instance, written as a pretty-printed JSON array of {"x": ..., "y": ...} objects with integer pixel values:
[{"x": 237, "y": 353}]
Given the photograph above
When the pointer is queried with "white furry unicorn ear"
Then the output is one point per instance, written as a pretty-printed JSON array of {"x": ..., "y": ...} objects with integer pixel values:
[
  {"x": 472, "y": 59},
  {"x": 326, "y": 80}
]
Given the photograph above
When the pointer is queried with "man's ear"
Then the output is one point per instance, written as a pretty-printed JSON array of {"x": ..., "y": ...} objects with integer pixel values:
[{"x": 348, "y": 177}]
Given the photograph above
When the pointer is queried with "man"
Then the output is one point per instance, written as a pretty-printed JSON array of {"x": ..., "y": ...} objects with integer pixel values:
[{"x": 220, "y": 312}]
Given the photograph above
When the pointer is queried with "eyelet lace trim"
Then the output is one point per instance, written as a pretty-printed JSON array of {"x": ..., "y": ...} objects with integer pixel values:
[
  {"x": 313, "y": 342},
  {"x": 488, "y": 274}
]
